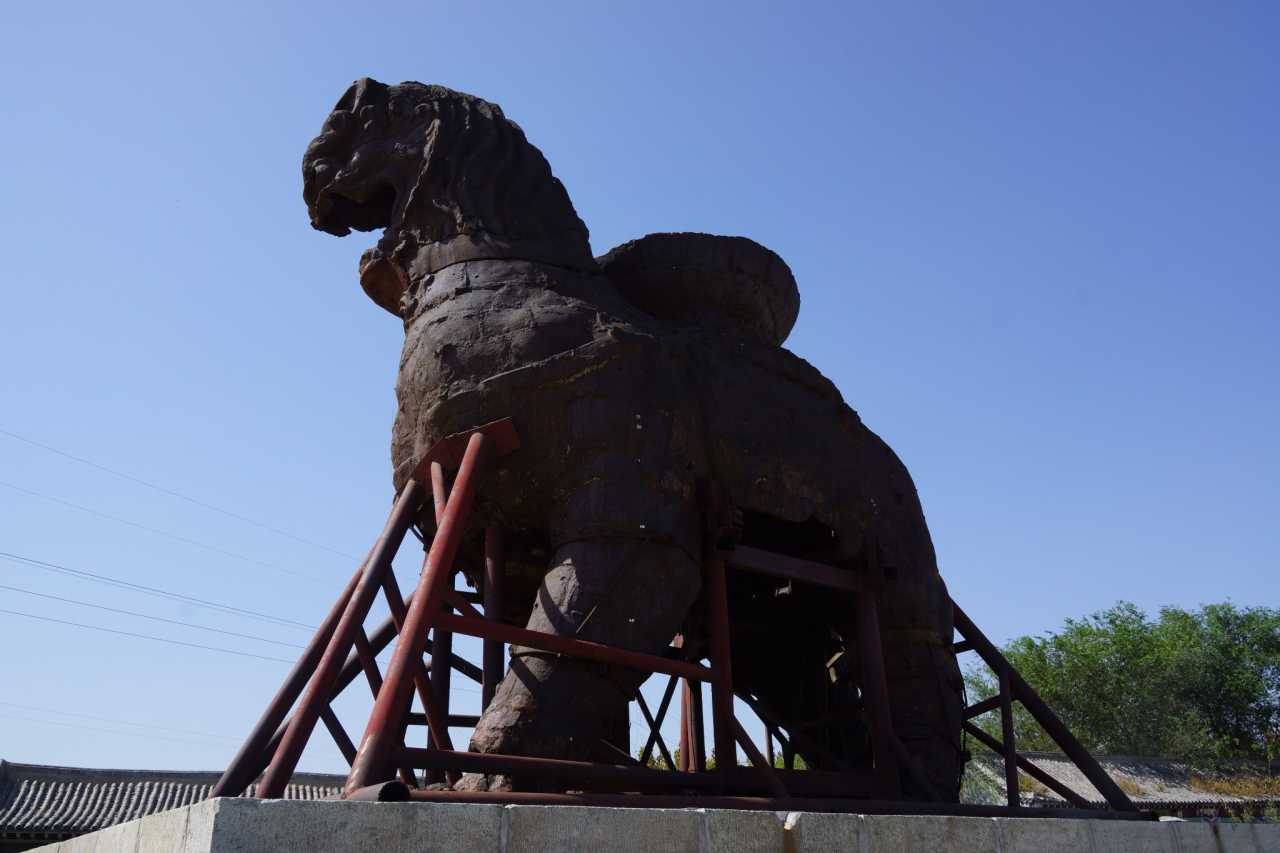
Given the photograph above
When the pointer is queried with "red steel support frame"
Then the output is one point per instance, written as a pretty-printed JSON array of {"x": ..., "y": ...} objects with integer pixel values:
[
  {"x": 722, "y": 685},
  {"x": 320, "y": 688},
  {"x": 494, "y": 653},
  {"x": 1010, "y": 746},
  {"x": 485, "y": 629},
  {"x": 441, "y": 640},
  {"x": 340, "y": 650},
  {"x": 245, "y": 766},
  {"x": 381, "y": 735},
  {"x": 684, "y": 753}
]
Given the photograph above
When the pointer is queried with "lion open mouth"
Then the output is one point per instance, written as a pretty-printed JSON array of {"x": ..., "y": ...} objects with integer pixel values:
[{"x": 340, "y": 202}]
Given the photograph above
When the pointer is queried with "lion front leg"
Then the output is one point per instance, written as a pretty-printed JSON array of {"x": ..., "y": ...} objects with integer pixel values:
[{"x": 626, "y": 593}]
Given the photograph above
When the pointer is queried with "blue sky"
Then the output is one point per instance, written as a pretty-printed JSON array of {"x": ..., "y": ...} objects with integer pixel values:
[{"x": 1036, "y": 247}]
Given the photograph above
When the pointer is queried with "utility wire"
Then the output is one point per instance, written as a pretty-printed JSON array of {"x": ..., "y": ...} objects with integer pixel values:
[
  {"x": 150, "y": 590},
  {"x": 169, "y": 640},
  {"x": 41, "y": 710},
  {"x": 159, "y": 532},
  {"x": 143, "y": 636},
  {"x": 146, "y": 735},
  {"x": 148, "y": 616},
  {"x": 141, "y": 482}
]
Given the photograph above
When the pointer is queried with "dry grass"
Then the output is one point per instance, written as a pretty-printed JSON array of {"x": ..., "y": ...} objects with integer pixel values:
[
  {"x": 1027, "y": 785},
  {"x": 1130, "y": 787},
  {"x": 1238, "y": 786}
]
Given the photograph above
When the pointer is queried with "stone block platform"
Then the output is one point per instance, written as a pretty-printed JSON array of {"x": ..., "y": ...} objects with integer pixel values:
[{"x": 273, "y": 826}]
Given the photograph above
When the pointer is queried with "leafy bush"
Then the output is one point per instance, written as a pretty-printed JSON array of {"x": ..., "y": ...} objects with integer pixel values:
[{"x": 1202, "y": 685}]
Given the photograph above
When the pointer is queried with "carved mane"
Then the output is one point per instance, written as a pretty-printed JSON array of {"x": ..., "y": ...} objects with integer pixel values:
[{"x": 446, "y": 173}]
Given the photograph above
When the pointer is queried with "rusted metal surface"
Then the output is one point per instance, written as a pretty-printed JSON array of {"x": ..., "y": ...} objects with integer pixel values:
[
  {"x": 697, "y": 728},
  {"x": 619, "y": 777},
  {"x": 494, "y": 663},
  {"x": 380, "y": 735},
  {"x": 439, "y": 491},
  {"x": 685, "y": 756},
  {"x": 455, "y": 720},
  {"x": 792, "y": 568},
  {"x": 385, "y": 792},
  {"x": 585, "y": 649},
  {"x": 441, "y": 640},
  {"x": 722, "y": 687},
  {"x": 339, "y": 734}
]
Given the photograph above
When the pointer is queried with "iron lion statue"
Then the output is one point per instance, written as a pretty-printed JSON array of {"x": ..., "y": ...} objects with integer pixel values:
[{"x": 634, "y": 378}]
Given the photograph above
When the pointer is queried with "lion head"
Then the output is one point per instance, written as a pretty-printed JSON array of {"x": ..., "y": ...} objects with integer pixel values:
[{"x": 446, "y": 174}]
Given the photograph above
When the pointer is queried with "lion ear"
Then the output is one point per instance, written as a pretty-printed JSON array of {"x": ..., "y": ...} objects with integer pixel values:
[
  {"x": 362, "y": 93},
  {"x": 383, "y": 280}
]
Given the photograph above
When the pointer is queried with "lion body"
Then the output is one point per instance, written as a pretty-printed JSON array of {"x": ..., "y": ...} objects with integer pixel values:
[
  {"x": 620, "y": 418},
  {"x": 622, "y": 414}
]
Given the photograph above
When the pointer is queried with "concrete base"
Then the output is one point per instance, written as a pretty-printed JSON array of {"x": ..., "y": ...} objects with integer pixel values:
[{"x": 257, "y": 826}]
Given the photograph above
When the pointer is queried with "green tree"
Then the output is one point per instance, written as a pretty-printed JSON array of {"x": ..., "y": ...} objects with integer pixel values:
[{"x": 1202, "y": 684}]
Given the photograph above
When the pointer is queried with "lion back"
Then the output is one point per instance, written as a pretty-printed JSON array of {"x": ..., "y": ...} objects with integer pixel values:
[{"x": 701, "y": 280}]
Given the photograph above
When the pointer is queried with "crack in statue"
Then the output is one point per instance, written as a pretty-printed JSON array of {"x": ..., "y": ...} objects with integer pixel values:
[{"x": 631, "y": 378}]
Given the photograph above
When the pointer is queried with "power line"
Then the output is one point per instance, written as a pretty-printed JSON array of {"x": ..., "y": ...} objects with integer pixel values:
[
  {"x": 159, "y": 532},
  {"x": 144, "y": 636},
  {"x": 176, "y": 494},
  {"x": 148, "y": 616},
  {"x": 150, "y": 590},
  {"x": 169, "y": 640},
  {"x": 68, "y": 725},
  {"x": 41, "y": 710}
]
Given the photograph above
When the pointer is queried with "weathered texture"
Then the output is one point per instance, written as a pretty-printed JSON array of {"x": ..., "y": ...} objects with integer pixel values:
[
  {"x": 699, "y": 280},
  {"x": 631, "y": 381}
]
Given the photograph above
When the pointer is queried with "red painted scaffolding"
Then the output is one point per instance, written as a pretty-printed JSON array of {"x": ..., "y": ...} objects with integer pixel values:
[{"x": 384, "y": 767}]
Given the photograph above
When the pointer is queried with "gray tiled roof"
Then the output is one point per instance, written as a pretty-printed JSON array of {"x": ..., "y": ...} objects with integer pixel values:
[
  {"x": 1149, "y": 781},
  {"x": 59, "y": 801}
]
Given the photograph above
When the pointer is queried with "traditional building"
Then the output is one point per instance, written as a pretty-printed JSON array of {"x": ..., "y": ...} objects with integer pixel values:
[{"x": 41, "y": 805}]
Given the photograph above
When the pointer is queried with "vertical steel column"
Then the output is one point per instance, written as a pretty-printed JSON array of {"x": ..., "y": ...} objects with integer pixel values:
[
  {"x": 441, "y": 641},
  {"x": 381, "y": 734},
  {"x": 439, "y": 491},
  {"x": 441, "y": 677},
  {"x": 875, "y": 694},
  {"x": 1006, "y": 731},
  {"x": 685, "y": 759},
  {"x": 697, "y": 727},
  {"x": 717, "y": 593},
  {"x": 282, "y": 765},
  {"x": 249, "y": 760},
  {"x": 494, "y": 652}
]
